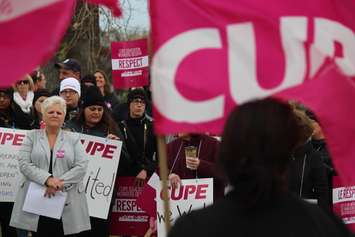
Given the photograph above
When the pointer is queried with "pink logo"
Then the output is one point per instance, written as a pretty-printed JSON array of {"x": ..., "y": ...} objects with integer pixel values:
[{"x": 60, "y": 154}]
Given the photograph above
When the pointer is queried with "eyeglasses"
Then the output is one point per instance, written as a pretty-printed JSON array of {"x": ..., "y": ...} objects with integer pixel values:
[
  {"x": 99, "y": 108},
  {"x": 68, "y": 92},
  {"x": 138, "y": 101},
  {"x": 25, "y": 82}
]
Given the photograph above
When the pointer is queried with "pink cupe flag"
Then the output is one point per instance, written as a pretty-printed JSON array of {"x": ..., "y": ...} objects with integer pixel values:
[
  {"x": 30, "y": 31},
  {"x": 112, "y": 4}
]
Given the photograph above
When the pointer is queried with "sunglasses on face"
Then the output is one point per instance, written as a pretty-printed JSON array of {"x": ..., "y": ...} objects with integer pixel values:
[{"x": 25, "y": 82}]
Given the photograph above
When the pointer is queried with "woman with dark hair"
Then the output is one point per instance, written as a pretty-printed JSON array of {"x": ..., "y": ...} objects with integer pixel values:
[
  {"x": 39, "y": 96},
  {"x": 105, "y": 88},
  {"x": 257, "y": 143},
  {"x": 307, "y": 173},
  {"x": 94, "y": 119}
]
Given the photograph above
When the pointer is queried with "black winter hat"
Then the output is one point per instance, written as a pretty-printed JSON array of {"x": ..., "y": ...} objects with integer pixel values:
[
  {"x": 137, "y": 93},
  {"x": 39, "y": 93},
  {"x": 88, "y": 78},
  {"x": 92, "y": 96},
  {"x": 8, "y": 91}
]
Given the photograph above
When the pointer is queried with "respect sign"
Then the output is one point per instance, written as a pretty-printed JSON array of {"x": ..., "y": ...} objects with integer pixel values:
[
  {"x": 191, "y": 195},
  {"x": 128, "y": 218},
  {"x": 344, "y": 202},
  {"x": 130, "y": 63}
]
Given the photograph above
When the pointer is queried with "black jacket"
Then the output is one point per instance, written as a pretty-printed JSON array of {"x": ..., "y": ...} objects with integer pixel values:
[
  {"x": 143, "y": 154},
  {"x": 21, "y": 119},
  {"x": 307, "y": 175},
  {"x": 285, "y": 216}
]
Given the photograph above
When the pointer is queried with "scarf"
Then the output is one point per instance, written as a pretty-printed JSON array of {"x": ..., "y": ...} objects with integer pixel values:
[{"x": 25, "y": 105}]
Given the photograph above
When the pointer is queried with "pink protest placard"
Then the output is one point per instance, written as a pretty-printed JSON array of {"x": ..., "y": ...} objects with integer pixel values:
[
  {"x": 130, "y": 63},
  {"x": 127, "y": 218},
  {"x": 214, "y": 55},
  {"x": 344, "y": 202}
]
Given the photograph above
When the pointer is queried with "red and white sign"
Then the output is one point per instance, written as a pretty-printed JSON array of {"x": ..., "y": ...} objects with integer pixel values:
[
  {"x": 127, "y": 218},
  {"x": 191, "y": 195},
  {"x": 344, "y": 202},
  {"x": 214, "y": 55},
  {"x": 130, "y": 63}
]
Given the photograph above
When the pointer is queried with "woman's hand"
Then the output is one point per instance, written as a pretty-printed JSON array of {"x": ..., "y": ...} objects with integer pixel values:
[
  {"x": 174, "y": 180},
  {"x": 55, "y": 183},
  {"x": 113, "y": 137},
  {"x": 140, "y": 178},
  {"x": 50, "y": 192}
]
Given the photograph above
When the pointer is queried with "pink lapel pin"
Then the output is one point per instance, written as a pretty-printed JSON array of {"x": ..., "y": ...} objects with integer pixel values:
[{"x": 60, "y": 154}]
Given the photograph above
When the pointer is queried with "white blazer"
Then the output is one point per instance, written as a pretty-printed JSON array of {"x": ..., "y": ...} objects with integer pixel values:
[{"x": 34, "y": 161}]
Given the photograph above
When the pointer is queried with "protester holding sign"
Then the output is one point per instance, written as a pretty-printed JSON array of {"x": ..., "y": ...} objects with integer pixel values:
[
  {"x": 54, "y": 159},
  {"x": 258, "y": 140},
  {"x": 200, "y": 163},
  {"x": 94, "y": 119}
]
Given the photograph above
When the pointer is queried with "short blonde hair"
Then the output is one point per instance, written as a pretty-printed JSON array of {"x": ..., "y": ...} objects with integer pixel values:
[
  {"x": 28, "y": 78},
  {"x": 54, "y": 100}
]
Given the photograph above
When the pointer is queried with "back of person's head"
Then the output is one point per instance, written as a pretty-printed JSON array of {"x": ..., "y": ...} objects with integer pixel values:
[{"x": 258, "y": 140}]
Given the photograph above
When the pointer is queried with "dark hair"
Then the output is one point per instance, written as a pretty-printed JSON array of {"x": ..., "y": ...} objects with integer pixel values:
[
  {"x": 107, "y": 86},
  {"x": 106, "y": 122},
  {"x": 258, "y": 140}
]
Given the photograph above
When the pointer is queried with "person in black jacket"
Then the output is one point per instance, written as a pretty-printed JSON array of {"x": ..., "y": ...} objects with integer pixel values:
[
  {"x": 140, "y": 139},
  {"x": 258, "y": 140},
  {"x": 307, "y": 173},
  {"x": 94, "y": 119},
  {"x": 6, "y": 116}
]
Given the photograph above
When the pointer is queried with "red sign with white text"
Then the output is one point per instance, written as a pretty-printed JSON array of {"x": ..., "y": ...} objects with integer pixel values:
[
  {"x": 344, "y": 202},
  {"x": 130, "y": 63},
  {"x": 127, "y": 218}
]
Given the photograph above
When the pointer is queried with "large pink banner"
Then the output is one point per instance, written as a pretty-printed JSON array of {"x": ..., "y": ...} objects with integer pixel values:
[
  {"x": 130, "y": 63},
  {"x": 212, "y": 55}
]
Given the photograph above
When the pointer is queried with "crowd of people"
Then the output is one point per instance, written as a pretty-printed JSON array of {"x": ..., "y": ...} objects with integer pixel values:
[{"x": 299, "y": 161}]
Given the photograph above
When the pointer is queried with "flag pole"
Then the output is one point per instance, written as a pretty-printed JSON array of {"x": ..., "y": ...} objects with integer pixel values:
[{"x": 163, "y": 166}]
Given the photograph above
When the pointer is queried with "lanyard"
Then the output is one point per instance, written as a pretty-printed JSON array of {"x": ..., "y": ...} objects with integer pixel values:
[{"x": 178, "y": 153}]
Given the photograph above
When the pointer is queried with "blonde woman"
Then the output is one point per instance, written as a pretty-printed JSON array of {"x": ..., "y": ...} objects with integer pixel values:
[
  {"x": 22, "y": 102},
  {"x": 56, "y": 160}
]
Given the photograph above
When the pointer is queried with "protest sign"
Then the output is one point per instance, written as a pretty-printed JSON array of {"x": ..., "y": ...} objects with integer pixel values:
[
  {"x": 191, "y": 195},
  {"x": 103, "y": 155},
  {"x": 10, "y": 175},
  {"x": 127, "y": 218},
  {"x": 99, "y": 181},
  {"x": 130, "y": 63},
  {"x": 344, "y": 202}
]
